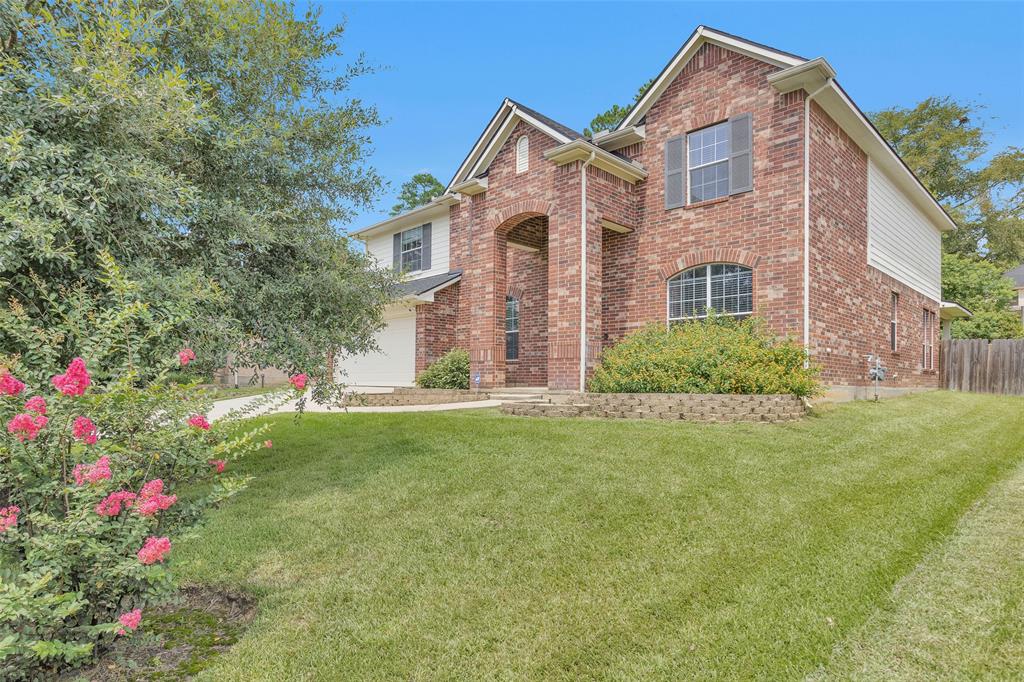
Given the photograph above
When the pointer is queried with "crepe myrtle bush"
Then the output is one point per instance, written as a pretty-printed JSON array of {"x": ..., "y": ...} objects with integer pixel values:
[
  {"x": 104, "y": 464},
  {"x": 718, "y": 354}
]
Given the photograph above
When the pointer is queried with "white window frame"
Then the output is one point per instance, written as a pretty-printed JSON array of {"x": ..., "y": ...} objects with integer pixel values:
[
  {"x": 403, "y": 251},
  {"x": 927, "y": 339},
  {"x": 517, "y": 306},
  {"x": 894, "y": 322},
  {"x": 522, "y": 154},
  {"x": 689, "y": 169},
  {"x": 707, "y": 294}
]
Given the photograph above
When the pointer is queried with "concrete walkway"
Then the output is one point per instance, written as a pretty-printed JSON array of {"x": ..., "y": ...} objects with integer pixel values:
[{"x": 222, "y": 407}]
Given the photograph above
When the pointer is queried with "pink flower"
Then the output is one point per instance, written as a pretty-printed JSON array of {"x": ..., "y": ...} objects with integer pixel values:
[
  {"x": 8, "y": 518},
  {"x": 92, "y": 473},
  {"x": 218, "y": 465},
  {"x": 130, "y": 621},
  {"x": 298, "y": 381},
  {"x": 199, "y": 421},
  {"x": 111, "y": 504},
  {"x": 84, "y": 430},
  {"x": 26, "y": 427},
  {"x": 9, "y": 385},
  {"x": 36, "y": 404},
  {"x": 153, "y": 550},
  {"x": 151, "y": 498},
  {"x": 74, "y": 381},
  {"x": 268, "y": 444},
  {"x": 185, "y": 356}
]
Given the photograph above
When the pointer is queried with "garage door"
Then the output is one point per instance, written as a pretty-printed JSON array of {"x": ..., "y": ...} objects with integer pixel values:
[{"x": 395, "y": 363}]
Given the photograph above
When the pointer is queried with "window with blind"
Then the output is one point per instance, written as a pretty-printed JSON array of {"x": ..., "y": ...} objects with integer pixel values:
[
  {"x": 511, "y": 328},
  {"x": 927, "y": 339},
  {"x": 723, "y": 287},
  {"x": 893, "y": 322}
]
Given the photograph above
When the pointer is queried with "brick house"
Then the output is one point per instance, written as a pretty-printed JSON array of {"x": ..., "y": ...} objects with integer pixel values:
[{"x": 745, "y": 180}]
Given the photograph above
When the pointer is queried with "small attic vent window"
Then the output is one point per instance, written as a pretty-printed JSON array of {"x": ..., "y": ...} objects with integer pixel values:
[{"x": 522, "y": 154}]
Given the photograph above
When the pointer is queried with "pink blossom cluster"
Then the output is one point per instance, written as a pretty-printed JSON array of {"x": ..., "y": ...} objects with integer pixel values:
[
  {"x": 218, "y": 465},
  {"x": 152, "y": 499},
  {"x": 298, "y": 381},
  {"x": 74, "y": 381},
  {"x": 199, "y": 421},
  {"x": 84, "y": 430},
  {"x": 92, "y": 473},
  {"x": 25, "y": 426},
  {"x": 185, "y": 356},
  {"x": 9, "y": 385},
  {"x": 154, "y": 549},
  {"x": 111, "y": 504},
  {"x": 8, "y": 517},
  {"x": 268, "y": 444},
  {"x": 36, "y": 404},
  {"x": 129, "y": 621}
]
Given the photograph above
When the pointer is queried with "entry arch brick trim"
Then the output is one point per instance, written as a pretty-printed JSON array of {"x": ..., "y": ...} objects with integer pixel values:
[
  {"x": 711, "y": 255},
  {"x": 528, "y": 208}
]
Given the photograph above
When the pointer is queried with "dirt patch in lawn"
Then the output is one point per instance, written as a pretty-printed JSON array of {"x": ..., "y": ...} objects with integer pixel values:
[{"x": 176, "y": 641}]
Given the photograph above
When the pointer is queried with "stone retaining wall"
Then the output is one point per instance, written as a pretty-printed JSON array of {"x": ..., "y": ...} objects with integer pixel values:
[
  {"x": 686, "y": 406},
  {"x": 415, "y": 396}
]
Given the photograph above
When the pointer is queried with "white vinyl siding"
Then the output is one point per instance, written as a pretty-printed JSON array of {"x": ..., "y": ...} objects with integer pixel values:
[
  {"x": 902, "y": 242},
  {"x": 380, "y": 246}
]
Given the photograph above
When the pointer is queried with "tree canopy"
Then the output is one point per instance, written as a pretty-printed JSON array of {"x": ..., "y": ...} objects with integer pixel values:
[
  {"x": 607, "y": 120},
  {"x": 208, "y": 148},
  {"x": 981, "y": 287},
  {"x": 417, "y": 191}
]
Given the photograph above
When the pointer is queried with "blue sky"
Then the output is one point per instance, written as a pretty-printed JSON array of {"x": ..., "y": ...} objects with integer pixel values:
[{"x": 448, "y": 65}]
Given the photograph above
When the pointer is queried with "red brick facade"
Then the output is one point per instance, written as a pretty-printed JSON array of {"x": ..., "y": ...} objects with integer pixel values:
[{"x": 627, "y": 273}]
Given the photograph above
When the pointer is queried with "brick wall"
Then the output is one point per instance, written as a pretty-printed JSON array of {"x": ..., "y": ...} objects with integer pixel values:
[
  {"x": 435, "y": 327},
  {"x": 850, "y": 300}
]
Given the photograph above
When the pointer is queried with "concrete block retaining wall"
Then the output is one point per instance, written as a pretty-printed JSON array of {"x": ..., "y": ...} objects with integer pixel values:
[
  {"x": 416, "y": 396},
  {"x": 686, "y": 406}
]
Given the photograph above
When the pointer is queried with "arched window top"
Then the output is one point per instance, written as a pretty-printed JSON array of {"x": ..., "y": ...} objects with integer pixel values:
[
  {"x": 726, "y": 288},
  {"x": 522, "y": 154}
]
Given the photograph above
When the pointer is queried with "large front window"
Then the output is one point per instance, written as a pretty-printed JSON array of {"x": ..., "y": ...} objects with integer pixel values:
[
  {"x": 511, "y": 328},
  {"x": 708, "y": 162},
  {"x": 412, "y": 250},
  {"x": 727, "y": 289}
]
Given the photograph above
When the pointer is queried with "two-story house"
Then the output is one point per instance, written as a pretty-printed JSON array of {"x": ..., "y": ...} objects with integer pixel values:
[{"x": 745, "y": 180}]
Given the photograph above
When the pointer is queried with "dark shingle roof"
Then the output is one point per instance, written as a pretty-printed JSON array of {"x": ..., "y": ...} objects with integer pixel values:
[
  {"x": 1017, "y": 275},
  {"x": 564, "y": 129},
  {"x": 424, "y": 284}
]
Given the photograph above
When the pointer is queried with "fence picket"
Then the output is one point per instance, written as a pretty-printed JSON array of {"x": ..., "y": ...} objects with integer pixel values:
[{"x": 982, "y": 366}]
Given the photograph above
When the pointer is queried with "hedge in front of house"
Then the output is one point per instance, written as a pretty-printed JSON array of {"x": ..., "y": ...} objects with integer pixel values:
[
  {"x": 450, "y": 371},
  {"x": 716, "y": 355}
]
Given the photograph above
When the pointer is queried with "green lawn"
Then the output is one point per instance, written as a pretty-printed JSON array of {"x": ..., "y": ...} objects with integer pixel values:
[{"x": 469, "y": 545}]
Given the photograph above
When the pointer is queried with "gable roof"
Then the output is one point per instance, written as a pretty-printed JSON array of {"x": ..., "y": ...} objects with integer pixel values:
[
  {"x": 498, "y": 130},
  {"x": 797, "y": 72},
  {"x": 1017, "y": 275}
]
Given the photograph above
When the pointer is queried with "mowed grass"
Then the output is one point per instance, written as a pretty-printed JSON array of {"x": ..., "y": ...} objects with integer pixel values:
[{"x": 471, "y": 545}]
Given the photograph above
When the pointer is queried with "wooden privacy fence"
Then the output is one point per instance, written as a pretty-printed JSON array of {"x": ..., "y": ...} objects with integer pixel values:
[{"x": 983, "y": 366}]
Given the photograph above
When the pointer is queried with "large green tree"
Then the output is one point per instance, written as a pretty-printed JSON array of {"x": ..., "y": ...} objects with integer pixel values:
[
  {"x": 417, "y": 191},
  {"x": 209, "y": 148},
  {"x": 981, "y": 287},
  {"x": 945, "y": 143}
]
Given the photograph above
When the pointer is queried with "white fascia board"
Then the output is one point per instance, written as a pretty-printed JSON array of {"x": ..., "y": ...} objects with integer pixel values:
[
  {"x": 685, "y": 54},
  {"x": 437, "y": 207},
  {"x": 611, "y": 140},
  {"x": 948, "y": 310},
  {"x": 505, "y": 131},
  {"x": 580, "y": 150},
  {"x": 808, "y": 76},
  {"x": 841, "y": 108},
  {"x": 481, "y": 142},
  {"x": 471, "y": 186}
]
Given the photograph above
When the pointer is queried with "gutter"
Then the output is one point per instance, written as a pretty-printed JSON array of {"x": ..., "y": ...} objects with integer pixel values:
[
  {"x": 807, "y": 220},
  {"x": 583, "y": 270}
]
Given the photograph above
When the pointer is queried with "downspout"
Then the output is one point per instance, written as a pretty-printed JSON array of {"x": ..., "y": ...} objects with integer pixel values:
[
  {"x": 807, "y": 221},
  {"x": 583, "y": 270}
]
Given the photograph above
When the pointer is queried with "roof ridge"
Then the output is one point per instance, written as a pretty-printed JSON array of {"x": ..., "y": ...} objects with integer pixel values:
[{"x": 560, "y": 127}]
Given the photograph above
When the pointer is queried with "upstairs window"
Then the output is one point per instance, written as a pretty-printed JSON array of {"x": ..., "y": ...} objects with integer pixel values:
[
  {"x": 522, "y": 154},
  {"x": 727, "y": 289},
  {"x": 708, "y": 162},
  {"x": 412, "y": 249},
  {"x": 511, "y": 328}
]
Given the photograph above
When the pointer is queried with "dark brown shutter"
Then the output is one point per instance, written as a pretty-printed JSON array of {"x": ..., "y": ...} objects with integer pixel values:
[
  {"x": 675, "y": 172},
  {"x": 426, "y": 247},
  {"x": 741, "y": 159},
  {"x": 397, "y": 262}
]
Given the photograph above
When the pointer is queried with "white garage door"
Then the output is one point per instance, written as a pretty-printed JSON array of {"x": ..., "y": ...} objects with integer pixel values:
[{"x": 395, "y": 363}]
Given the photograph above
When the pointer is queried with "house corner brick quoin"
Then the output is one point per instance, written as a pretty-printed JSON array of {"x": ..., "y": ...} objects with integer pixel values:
[{"x": 745, "y": 180}]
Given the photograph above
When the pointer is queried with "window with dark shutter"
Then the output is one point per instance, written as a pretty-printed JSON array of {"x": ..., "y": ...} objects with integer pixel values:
[
  {"x": 425, "y": 256},
  {"x": 741, "y": 155},
  {"x": 675, "y": 172}
]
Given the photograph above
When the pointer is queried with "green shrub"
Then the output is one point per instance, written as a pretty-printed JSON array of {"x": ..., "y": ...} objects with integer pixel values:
[
  {"x": 451, "y": 371},
  {"x": 717, "y": 355}
]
